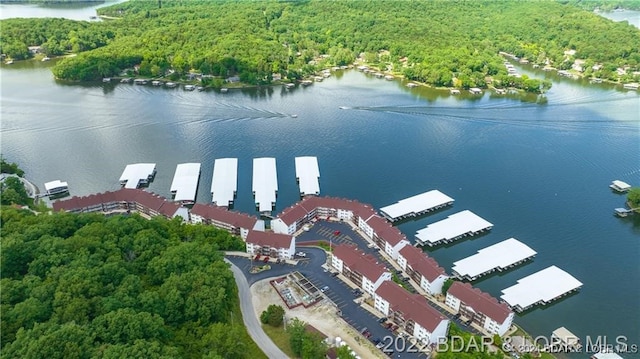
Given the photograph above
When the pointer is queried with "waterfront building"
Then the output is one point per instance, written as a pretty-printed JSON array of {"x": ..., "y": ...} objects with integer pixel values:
[
  {"x": 387, "y": 237},
  {"x": 362, "y": 269},
  {"x": 500, "y": 256},
  {"x": 56, "y": 187},
  {"x": 423, "y": 269},
  {"x": 565, "y": 341},
  {"x": 416, "y": 205},
  {"x": 480, "y": 308},
  {"x": 454, "y": 227},
  {"x": 280, "y": 246},
  {"x": 411, "y": 313},
  {"x": 185, "y": 183},
  {"x": 124, "y": 200},
  {"x": 265, "y": 183},
  {"x": 541, "y": 288},
  {"x": 234, "y": 222},
  {"x": 307, "y": 175},
  {"x": 137, "y": 174},
  {"x": 225, "y": 181},
  {"x": 606, "y": 355},
  {"x": 312, "y": 208}
]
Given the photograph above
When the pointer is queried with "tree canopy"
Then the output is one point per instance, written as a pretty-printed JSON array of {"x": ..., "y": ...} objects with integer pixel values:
[
  {"x": 90, "y": 286},
  {"x": 440, "y": 43}
]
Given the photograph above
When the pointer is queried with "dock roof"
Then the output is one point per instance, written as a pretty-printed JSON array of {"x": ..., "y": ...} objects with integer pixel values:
[
  {"x": 416, "y": 204},
  {"x": 498, "y": 256},
  {"x": 55, "y": 184},
  {"x": 135, "y": 173},
  {"x": 606, "y": 356},
  {"x": 451, "y": 227},
  {"x": 308, "y": 173},
  {"x": 265, "y": 182},
  {"x": 185, "y": 181},
  {"x": 225, "y": 181},
  {"x": 543, "y": 286},
  {"x": 621, "y": 185}
]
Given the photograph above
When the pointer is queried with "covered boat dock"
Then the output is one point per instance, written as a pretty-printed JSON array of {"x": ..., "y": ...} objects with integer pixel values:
[
  {"x": 452, "y": 228},
  {"x": 225, "y": 181},
  {"x": 265, "y": 183},
  {"x": 137, "y": 174},
  {"x": 185, "y": 182},
  {"x": 500, "y": 256},
  {"x": 416, "y": 205},
  {"x": 308, "y": 175},
  {"x": 541, "y": 288}
]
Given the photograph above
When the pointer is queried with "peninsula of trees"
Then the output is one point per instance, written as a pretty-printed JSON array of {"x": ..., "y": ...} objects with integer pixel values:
[
  {"x": 90, "y": 286},
  {"x": 443, "y": 43}
]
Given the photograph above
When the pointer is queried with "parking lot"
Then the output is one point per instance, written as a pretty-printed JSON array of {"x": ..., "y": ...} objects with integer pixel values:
[{"x": 339, "y": 292}]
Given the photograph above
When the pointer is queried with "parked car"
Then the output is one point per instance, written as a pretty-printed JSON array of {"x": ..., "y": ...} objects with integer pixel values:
[
  {"x": 382, "y": 320},
  {"x": 376, "y": 341},
  {"x": 301, "y": 254},
  {"x": 334, "y": 274},
  {"x": 324, "y": 289},
  {"x": 380, "y": 345},
  {"x": 336, "y": 233},
  {"x": 266, "y": 259}
]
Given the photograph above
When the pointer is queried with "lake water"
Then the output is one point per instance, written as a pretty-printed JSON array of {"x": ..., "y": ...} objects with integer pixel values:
[
  {"x": 631, "y": 16},
  {"x": 538, "y": 171}
]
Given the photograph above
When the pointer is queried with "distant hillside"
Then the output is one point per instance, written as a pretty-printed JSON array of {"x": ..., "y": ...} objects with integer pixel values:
[{"x": 444, "y": 43}]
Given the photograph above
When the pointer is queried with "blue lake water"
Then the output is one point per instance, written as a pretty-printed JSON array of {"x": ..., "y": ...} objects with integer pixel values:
[{"x": 539, "y": 170}]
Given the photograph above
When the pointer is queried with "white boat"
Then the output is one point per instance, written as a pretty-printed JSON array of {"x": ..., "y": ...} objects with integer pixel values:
[
  {"x": 171, "y": 84},
  {"x": 106, "y": 79},
  {"x": 224, "y": 90},
  {"x": 156, "y": 83},
  {"x": 289, "y": 86},
  {"x": 8, "y": 62},
  {"x": 200, "y": 88},
  {"x": 125, "y": 80},
  {"x": 140, "y": 81},
  {"x": 631, "y": 86},
  {"x": 46, "y": 59},
  {"x": 294, "y": 115},
  {"x": 189, "y": 87}
]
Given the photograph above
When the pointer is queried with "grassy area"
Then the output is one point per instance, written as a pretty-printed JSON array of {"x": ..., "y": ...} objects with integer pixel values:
[
  {"x": 280, "y": 338},
  {"x": 253, "y": 351},
  {"x": 402, "y": 283}
]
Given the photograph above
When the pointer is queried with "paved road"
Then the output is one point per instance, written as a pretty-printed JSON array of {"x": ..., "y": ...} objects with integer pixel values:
[{"x": 249, "y": 317}]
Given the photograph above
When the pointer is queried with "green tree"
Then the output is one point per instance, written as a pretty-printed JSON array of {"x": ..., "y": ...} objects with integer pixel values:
[
  {"x": 446, "y": 285},
  {"x": 12, "y": 191},
  {"x": 273, "y": 315},
  {"x": 634, "y": 197}
]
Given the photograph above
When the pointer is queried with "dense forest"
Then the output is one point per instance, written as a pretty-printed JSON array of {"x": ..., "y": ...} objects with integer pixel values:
[
  {"x": 440, "y": 43},
  {"x": 90, "y": 286}
]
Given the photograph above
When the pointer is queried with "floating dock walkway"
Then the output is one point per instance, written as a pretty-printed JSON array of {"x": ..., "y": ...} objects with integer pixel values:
[
  {"x": 500, "y": 256},
  {"x": 225, "y": 181},
  {"x": 308, "y": 175},
  {"x": 454, "y": 227},
  {"x": 540, "y": 288},
  {"x": 265, "y": 183},
  {"x": 137, "y": 174},
  {"x": 185, "y": 183},
  {"x": 416, "y": 206}
]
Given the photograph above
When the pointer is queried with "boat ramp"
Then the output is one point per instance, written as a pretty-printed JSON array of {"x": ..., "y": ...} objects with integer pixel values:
[
  {"x": 308, "y": 175},
  {"x": 416, "y": 205},
  {"x": 137, "y": 174},
  {"x": 452, "y": 228},
  {"x": 265, "y": 183},
  {"x": 225, "y": 181},
  {"x": 500, "y": 256},
  {"x": 541, "y": 288},
  {"x": 185, "y": 183}
]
